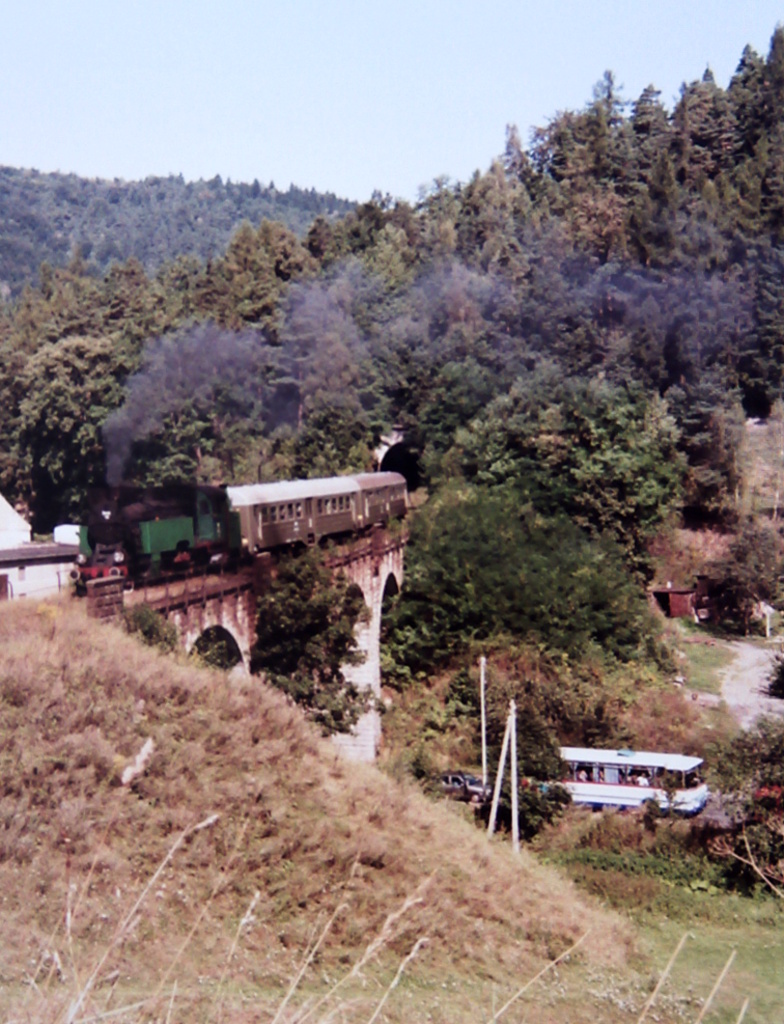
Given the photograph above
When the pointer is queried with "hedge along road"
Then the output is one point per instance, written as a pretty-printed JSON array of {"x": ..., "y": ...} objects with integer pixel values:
[{"x": 745, "y": 683}]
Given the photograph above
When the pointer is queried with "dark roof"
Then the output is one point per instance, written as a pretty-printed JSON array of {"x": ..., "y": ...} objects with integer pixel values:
[{"x": 24, "y": 554}]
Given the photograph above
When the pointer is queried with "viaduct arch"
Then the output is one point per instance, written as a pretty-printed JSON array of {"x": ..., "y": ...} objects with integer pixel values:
[{"x": 373, "y": 562}]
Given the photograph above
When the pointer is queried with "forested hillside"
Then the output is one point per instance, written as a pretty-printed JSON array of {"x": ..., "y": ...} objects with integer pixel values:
[
  {"x": 46, "y": 218},
  {"x": 571, "y": 342}
]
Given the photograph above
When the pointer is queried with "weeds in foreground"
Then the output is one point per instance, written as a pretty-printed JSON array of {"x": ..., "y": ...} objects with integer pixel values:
[{"x": 82, "y": 1010}]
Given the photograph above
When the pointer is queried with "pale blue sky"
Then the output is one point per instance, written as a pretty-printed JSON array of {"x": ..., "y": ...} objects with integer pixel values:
[{"x": 340, "y": 95}]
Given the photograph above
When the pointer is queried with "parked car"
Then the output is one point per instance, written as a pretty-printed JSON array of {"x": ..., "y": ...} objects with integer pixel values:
[{"x": 462, "y": 786}]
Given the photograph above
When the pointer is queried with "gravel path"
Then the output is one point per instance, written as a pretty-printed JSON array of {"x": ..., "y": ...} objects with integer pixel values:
[{"x": 745, "y": 681}]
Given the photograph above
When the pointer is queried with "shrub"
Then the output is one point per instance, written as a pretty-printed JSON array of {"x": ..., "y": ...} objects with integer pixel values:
[
  {"x": 151, "y": 627},
  {"x": 776, "y": 678}
]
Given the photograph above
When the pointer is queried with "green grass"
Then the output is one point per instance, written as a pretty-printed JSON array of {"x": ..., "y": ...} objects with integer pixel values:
[
  {"x": 755, "y": 972},
  {"x": 640, "y": 873},
  {"x": 704, "y": 660}
]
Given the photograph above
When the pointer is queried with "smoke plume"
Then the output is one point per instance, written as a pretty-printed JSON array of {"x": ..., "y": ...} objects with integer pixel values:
[{"x": 206, "y": 368}]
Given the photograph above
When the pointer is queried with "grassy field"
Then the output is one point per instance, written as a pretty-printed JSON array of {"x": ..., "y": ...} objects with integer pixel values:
[
  {"x": 705, "y": 657},
  {"x": 242, "y": 871},
  {"x": 754, "y": 974},
  {"x": 657, "y": 880}
]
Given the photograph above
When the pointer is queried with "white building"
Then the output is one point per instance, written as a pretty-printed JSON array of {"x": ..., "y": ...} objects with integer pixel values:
[
  {"x": 27, "y": 568},
  {"x": 13, "y": 529}
]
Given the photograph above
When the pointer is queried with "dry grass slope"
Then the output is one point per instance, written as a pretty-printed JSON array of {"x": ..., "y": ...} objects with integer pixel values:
[{"x": 298, "y": 834}]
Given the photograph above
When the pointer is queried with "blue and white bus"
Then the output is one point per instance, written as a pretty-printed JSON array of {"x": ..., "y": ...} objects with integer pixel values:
[{"x": 629, "y": 778}]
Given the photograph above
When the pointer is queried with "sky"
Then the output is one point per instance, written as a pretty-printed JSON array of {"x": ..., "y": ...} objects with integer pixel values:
[{"x": 342, "y": 96}]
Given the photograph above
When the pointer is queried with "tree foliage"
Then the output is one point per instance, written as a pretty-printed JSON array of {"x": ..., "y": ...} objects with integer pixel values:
[
  {"x": 748, "y": 574},
  {"x": 305, "y": 636},
  {"x": 480, "y": 566},
  {"x": 750, "y": 773},
  {"x": 603, "y": 455}
]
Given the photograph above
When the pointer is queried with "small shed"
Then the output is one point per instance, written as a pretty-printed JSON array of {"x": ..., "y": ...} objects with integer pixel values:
[
  {"x": 694, "y": 602},
  {"x": 14, "y": 530},
  {"x": 675, "y": 602}
]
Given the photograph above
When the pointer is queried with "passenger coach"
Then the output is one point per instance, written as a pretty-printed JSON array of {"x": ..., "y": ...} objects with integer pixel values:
[{"x": 304, "y": 511}]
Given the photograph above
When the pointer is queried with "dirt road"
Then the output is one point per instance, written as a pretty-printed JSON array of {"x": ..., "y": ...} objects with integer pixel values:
[{"x": 745, "y": 681}]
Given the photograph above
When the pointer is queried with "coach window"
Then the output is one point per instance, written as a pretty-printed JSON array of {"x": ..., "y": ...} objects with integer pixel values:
[
  {"x": 273, "y": 513},
  {"x": 290, "y": 512},
  {"x": 264, "y": 514},
  {"x": 298, "y": 509},
  {"x": 319, "y": 506}
]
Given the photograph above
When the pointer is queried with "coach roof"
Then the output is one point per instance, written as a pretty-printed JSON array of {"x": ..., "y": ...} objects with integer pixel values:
[{"x": 290, "y": 490}]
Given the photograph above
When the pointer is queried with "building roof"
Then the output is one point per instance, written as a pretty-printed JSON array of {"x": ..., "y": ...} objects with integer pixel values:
[{"x": 27, "y": 554}]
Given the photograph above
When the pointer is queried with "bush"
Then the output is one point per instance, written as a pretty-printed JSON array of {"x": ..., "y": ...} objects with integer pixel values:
[
  {"x": 151, "y": 627},
  {"x": 776, "y": 678}
]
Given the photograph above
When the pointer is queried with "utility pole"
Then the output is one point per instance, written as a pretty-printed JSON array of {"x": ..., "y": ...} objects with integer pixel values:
[
  {"x": 510, "y": 735},
  {"x": 515, "y": 818},
  {"x": 498, "y": 778},
  {"x": 482, "y": 665}
]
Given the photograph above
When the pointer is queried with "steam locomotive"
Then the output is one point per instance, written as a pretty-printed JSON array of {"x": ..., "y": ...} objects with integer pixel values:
[{"x": 150, "y": 533}]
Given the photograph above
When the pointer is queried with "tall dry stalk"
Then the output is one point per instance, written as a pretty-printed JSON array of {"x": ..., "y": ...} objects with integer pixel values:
[
  {"x": 716, "y": 988},
  {"x": 395, "y": 981},
  {"x": 650, "y": 1000},
  {"x": 123, "y": 927},
  {"x": 378, "y": 942},
  {"x": 307, "y": 962},
  {"x": 246, "y": 918},
  {"x": 537, "y": 976}
]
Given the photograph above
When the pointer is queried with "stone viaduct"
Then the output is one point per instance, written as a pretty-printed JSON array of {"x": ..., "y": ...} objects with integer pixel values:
[{"x": 225, "y": 606}]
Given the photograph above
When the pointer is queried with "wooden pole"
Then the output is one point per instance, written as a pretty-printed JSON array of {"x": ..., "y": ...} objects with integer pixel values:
[
  {"x": 660, "y": 982},
  {"x": 515, "y": 818},
  {"x": 498, "y": 778},
  {"x": 482, "y": 664},
  {"x": 716, "y": 988}
]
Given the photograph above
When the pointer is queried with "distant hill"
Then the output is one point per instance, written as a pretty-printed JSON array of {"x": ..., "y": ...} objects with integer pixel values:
[{"x": 49, "y": 217}]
